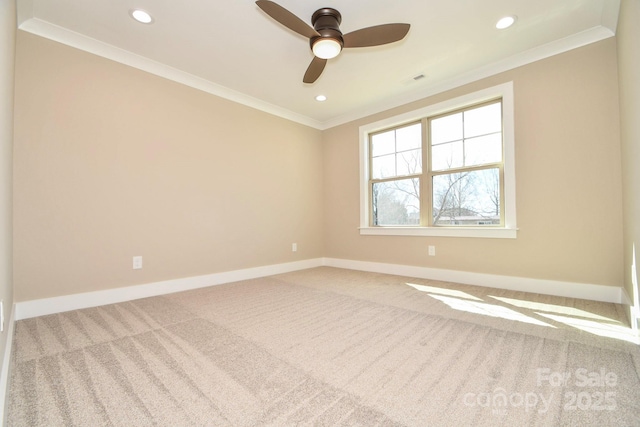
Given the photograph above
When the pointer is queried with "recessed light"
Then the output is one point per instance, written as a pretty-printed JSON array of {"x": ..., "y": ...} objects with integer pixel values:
[
  {"x": 506, "y": 22},
  {"x": 321, "y": 98},
  {"x": 141, "y": 16}
]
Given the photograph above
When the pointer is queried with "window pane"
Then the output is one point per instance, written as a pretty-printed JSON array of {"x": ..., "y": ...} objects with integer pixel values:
[
  {"x": 447, "y": 156},
  {"x": 483, "y": 120},
  {"x": 396, "y": 202},
  {"x": 384, "y": 166},
  {"x": 467, "y": 198},
  {"x": 383, "y": 143},
  {"x": 446, "y": 129},
  {"x": 483, "y": 149},
  {"x": 409, "y": 137},
  {"x": 409, "y": 162}
]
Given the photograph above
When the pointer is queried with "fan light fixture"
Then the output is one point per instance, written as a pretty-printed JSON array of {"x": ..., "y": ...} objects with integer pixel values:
[
  {"x": 326, "y": 48},
  {"x": 141, "y": 16},
  {"x": 325, "y": 38}
]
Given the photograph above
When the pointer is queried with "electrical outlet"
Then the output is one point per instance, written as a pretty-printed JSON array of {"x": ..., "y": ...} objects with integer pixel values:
[
  {"x": 137, "y": 262},
  {"x": 432, "y": 251},
  {"x": 294, "y": 247}
]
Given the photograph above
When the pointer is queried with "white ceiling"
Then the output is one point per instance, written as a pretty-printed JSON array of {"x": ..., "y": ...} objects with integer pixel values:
[{"x": 231, "y": 48}]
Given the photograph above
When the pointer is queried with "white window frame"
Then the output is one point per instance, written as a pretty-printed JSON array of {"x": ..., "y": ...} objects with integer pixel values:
[{"x": 509, "y": 230}]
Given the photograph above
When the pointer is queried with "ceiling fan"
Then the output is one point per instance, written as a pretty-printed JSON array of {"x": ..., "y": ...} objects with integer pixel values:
[{"x": 325, "y": 37}]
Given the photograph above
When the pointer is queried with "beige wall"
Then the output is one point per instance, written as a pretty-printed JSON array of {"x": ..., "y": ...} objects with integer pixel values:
[
  {"x": 567, "y": 171},
  {"x": 628, "y": 38},
  {"x": 7, "y": 62},
  {"x": 112, "y": 162}
]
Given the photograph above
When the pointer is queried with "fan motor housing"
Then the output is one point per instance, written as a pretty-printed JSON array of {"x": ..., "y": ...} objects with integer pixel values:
[{"x": 326, "y": 22}]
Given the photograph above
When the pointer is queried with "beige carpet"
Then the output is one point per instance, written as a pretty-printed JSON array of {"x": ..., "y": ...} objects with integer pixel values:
[{"x": 328, "y": 347}]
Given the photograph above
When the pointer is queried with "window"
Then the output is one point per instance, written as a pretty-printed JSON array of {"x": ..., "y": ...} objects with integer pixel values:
[
  {"x": 466, "y": 166},
  {"x": 445, "y": 170},
  {"x": 396, "y": 166}
]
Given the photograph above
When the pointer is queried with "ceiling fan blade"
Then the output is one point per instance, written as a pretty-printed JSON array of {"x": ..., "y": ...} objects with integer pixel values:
[
  {"x": 314, "y": 70},
  {"x": 377, "y": 35},
  {"x": 287, "y": 18}
]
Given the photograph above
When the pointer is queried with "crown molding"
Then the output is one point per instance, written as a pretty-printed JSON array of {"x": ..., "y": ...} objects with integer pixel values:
[
  {"x": 96, "y": 47},
  {"x": 557, "y": 47},
  {"x": 70, "y": 38}
]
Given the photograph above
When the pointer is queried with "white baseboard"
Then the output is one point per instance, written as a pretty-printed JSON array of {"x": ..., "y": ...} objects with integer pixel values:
[
  {"x": 587, "y": 291},
  {"x": 41, "y": 307},
  {"x": 6, "y": 363},
  {"x": 634, "y": 314}
]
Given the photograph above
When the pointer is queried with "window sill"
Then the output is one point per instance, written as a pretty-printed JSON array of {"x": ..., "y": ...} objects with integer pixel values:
[{"x": 481, "y": 232}]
